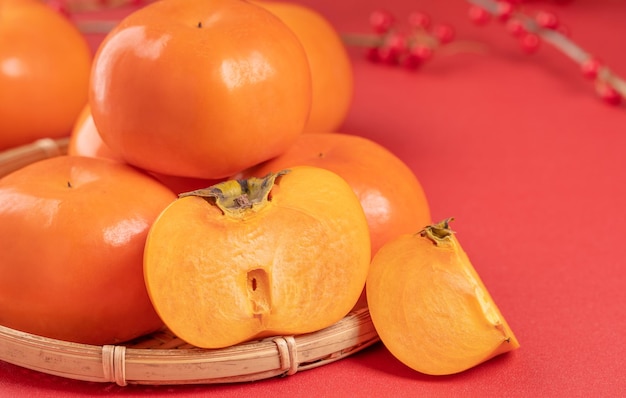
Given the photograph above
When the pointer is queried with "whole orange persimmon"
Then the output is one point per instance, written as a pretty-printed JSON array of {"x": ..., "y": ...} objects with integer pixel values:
[
  {"x": 200, "y": 88},
  {"x": 86, "y": 141},
  {"x": 244, "y": 259},
  {"x": 391, "y": 195},
  {"x": 72, "y": 233},
  {"x": 331, "y": 68},
  {"x": 44, "y": 72}
]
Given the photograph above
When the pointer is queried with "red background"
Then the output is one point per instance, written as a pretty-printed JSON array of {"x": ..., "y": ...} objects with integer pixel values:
[{"x": 519, "y": 150}]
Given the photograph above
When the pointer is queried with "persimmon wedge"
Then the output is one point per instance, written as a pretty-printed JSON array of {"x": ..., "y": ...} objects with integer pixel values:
[
  {"x": 284, "y": 254},
  {"x": 430, "y": 307}
]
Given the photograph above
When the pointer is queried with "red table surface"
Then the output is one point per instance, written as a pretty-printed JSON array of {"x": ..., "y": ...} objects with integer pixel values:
[{"x": 519, "y": 150}]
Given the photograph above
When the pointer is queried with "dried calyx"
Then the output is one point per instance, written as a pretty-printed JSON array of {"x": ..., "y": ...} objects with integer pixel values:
[
  {"x": 235, "y": 197},
  {"x": 438, "y": 233}
]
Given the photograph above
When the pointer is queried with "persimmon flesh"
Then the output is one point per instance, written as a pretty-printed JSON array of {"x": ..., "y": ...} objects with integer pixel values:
[
  {"x": 390, "y": 193},
  {"x": 284, "y": 254},
  {"x": 430, "y": 307}
]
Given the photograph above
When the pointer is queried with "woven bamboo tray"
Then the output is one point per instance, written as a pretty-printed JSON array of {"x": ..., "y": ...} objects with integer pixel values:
[{"x": 161, "y": 357}]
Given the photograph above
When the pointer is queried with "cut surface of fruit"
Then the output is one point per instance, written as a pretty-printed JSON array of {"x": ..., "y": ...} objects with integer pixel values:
[
  {"x": 430, "y": 307},
  {"x": 284, "y": 254}
]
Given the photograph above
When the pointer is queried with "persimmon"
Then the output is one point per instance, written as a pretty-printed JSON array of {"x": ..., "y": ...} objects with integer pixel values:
[
  {"x": 72, "y": 233},
  {"x": 200, "y": 88},
  {"x": 430, "y": 307},
  {"x": 392, "y": 197},
  {"x": 86, "y": 141},
  {"x": 244, "y": 259},
  {"x": 331, "y": 68},
  {"x": 44, "y": 72}
]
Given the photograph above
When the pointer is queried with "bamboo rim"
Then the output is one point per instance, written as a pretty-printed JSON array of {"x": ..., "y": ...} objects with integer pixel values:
[{"x": 162, "y": 358}]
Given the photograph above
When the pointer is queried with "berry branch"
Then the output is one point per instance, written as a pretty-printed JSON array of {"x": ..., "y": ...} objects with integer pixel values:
[
  {"x": 412, "y": 45},
  {"x": 409, "y": 46},
  {"x": 531, "y": 29}
]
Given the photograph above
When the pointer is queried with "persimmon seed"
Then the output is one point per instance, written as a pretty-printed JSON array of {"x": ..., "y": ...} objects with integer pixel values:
[
  {"x": 200, "y": 24},
  {"x": 259, "y": 291},
  {"x": 69, "y": 184}
]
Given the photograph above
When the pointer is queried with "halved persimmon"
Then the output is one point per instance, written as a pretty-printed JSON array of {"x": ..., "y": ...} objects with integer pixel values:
[
  {"x": 430, "y": 307},
  {"x": 245, "y": 259},
  {"x": 198, "y": 88}
]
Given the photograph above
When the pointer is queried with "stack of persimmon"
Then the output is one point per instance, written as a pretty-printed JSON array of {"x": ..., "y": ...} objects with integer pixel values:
[{"x": 208, "y": 188}]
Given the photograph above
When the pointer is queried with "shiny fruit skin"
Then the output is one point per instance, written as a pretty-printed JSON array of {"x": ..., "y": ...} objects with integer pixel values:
[
  {"x": 72, "y": 232},
  {"x": 392, "y": 197},
  {"x": 331, "y": 68},
  {"x": 295, "y": 262},
  {"x": 44, "y": 73},
  {"x": 86, "y": 141},
  {"x": 200, "y": 88}
]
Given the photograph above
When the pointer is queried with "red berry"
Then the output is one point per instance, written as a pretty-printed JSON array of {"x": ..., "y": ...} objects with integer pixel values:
[
  {"x": 411, "y": 61},
  {"x": 422, "y": 52},
  {"x": 419, "y": 20},
  {"x": 515, "y": 28},
  {"x": 396, "y": 43},
  {"x": 372, "y": 54},
  {"x": 387, "y": 56},
  {"x": 505, "y": 10},
  {"x": 444, "y": 33},
  {"x": 381, "y": 21},
  {"x": 417, "y": 56},
  {"x": 530, "y": 42},
  {"x": 610, "y": 95},
  {"x": 59, "y": 6},
  {"x": 547, "y": 20},
  {"x": 478, "y": 15},
  {"x": 590, "y": 68}
]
